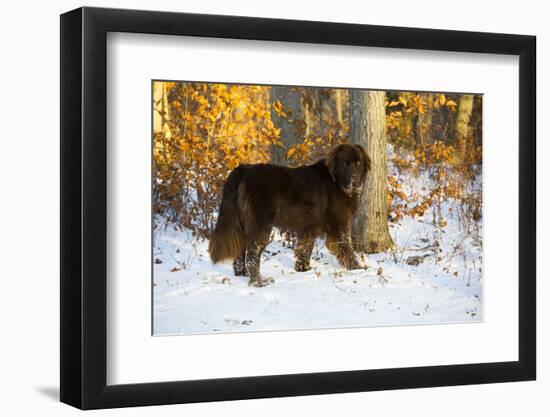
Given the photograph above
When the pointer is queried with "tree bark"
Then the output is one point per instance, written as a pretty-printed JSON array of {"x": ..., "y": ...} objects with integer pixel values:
[
  {"x": 292, "y": 106},
  {"x": 462, "y": 122},
  {"x": 426, "y": 118},
  {"x": 370, "y": 231},
  {"x": 423, "y": 122},
  {"x": 308, "y": 120},
  {"x": 161, "y": 114},
  {"x": 338, "y": 104}
]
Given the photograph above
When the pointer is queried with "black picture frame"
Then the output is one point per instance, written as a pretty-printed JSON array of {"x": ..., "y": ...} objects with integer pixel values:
[{"x": 84, "y": 207}]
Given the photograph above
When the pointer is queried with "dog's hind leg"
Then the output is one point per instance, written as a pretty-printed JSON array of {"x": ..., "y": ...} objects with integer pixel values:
[
  {"x": 302, "y": 252},
  {"x": 253, "y": 255},
  {"x": 258, "y": 215},
  {"x": 239, "y": 265}
]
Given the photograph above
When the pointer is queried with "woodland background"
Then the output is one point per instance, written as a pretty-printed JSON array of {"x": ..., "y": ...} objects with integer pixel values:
[
  {"x": 202, "y": 131},
  {"x": 418, "y": 229}
]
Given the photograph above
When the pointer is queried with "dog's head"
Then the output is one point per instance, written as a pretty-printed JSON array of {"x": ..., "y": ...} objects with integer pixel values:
[{"x": 348, "y": 165}]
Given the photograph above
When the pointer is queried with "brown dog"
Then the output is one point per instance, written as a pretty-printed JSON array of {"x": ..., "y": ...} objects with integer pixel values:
[{"x": 311, "y": 201}]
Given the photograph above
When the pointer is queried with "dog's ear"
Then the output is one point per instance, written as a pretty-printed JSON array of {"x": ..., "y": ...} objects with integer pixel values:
[
  {"x": 331, "y": 162},
  {"x": 365, "y": 156}
]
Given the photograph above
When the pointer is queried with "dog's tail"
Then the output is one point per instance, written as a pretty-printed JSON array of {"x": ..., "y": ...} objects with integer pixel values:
[{"x": 227, "y": 240}]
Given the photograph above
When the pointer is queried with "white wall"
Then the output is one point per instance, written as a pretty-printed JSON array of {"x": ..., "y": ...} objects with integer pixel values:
[{"x": 29, "y": 165}]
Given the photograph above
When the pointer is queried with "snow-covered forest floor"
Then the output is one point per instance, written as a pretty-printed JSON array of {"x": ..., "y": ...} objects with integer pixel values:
[{"x": 434, "y": 275}]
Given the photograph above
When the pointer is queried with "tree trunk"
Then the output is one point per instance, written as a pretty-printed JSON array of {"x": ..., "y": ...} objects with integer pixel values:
[
  {"x": 292, "y": 107},
  {"x": 338, "y": 104},
  {"x": 161, "y": 114},
  {"x": 408, "y": 121},
  {"x": 476, "y": 119},
  {"x": 424, "y": 122},
  {"x": 462, "y": 123},
  {"x": 370, "y": 231},
  {"x": 418, "y": 133},
  {"x": 308, "y": 120},
  {"x": 427, "y": 118}
]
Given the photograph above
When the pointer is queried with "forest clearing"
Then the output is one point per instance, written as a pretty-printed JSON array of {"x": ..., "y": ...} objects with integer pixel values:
[{"x": 421, "y": 262}]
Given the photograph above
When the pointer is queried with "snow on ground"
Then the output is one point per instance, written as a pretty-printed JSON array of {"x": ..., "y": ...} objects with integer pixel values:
[{"x": 420, "y": 282}]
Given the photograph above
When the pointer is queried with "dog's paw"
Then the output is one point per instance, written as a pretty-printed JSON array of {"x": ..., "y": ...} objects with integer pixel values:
[
  {"x": 261, "y": 282},
  {"x": 355, "y": 265},
  {"x": 300, "y": 267}
]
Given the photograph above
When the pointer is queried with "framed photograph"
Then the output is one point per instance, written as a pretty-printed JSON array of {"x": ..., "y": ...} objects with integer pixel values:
[{"x": 257, "y": 208}]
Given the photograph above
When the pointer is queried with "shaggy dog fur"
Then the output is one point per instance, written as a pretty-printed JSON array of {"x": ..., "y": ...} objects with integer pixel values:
[{"x": 310, "y": 201}]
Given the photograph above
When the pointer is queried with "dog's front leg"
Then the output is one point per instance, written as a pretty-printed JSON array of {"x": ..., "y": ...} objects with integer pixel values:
[
  {"x": 339, "y": 244},
  {"x": 302, "y": 253}
]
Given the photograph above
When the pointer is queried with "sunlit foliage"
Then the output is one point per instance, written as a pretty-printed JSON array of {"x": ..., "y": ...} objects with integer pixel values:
[
  {"x": 202, "y": 131},
  {"x": 205, "y": 131}
]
